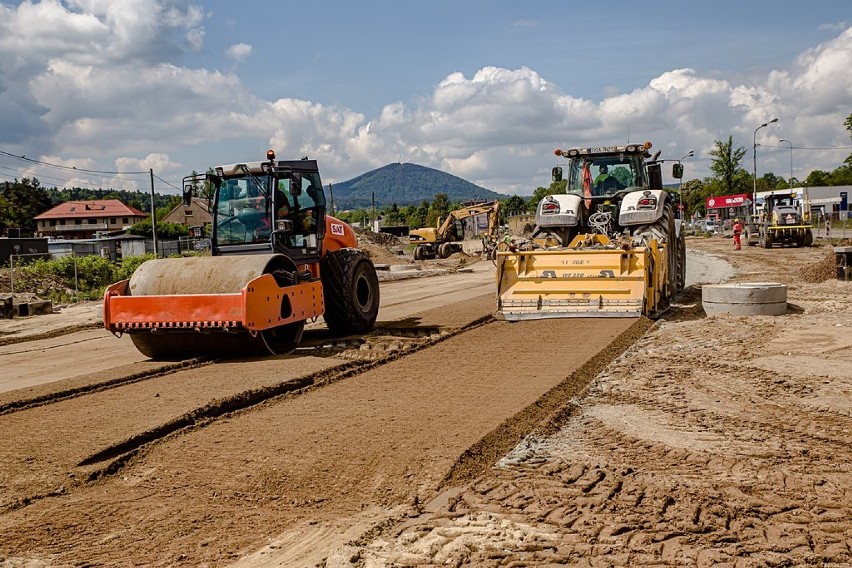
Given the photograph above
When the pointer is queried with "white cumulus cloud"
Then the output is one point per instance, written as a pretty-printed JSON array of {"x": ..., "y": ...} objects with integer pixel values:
[{"x": 101, "y": 82}]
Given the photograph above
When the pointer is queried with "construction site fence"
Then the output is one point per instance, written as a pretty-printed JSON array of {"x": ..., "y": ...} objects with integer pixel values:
[
  {"x": 114, "y": 250},
  {"x": 835, "y": 225}
]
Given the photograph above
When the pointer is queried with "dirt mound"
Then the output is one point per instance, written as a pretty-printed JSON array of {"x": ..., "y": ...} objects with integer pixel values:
[
  {"x": 825, "y": 269},
  {"x": 383, "y": 248},
  {"x": 383, "y": 239}
]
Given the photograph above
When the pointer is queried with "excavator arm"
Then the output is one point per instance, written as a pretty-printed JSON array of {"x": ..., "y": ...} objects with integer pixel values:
[{"x": 491, "y": 208}]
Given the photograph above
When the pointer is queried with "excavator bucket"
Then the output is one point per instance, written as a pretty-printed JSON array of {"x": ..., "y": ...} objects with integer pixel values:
[{"x": 593, "y": 282}]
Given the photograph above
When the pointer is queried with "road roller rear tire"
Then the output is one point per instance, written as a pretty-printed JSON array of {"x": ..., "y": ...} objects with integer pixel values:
[{"x": 351, "y": 291}]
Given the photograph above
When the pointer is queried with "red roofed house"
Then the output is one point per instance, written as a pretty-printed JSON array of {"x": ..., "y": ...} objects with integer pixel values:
[{"x": 84, "y": 219}]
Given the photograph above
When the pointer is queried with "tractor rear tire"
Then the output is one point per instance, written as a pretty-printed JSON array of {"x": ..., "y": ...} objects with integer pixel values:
[
  {"x": 351, "y": 291},
  {"x": 681, "y": 261},
  {"x": 809, "y": 238},
  {"x": 672, "y": 251}
]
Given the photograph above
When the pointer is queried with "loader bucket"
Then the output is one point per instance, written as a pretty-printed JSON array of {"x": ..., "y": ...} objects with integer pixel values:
[{"x": 576, "y": 283}]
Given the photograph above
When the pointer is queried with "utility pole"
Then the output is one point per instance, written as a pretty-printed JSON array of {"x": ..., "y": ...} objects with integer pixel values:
[
  {"x": 689, "y": 154},
  {"x": 754, "y": 156},
  {"x": 790, "y": 181},
  {"x": 153, "y": 213}
]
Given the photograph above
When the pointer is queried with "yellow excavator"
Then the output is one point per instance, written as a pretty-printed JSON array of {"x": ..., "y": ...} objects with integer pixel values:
[
  {"x": 444, "y": 240},
  {"x": 609, "y": 247},
  {"x": 277, "y": 261}
]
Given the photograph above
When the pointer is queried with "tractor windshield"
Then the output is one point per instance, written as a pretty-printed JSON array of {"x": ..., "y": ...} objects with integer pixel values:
[
  {"x": 605, "y": 175},
  {"x": 242, "y": 212},
  {"x": 245, "y": 214}
]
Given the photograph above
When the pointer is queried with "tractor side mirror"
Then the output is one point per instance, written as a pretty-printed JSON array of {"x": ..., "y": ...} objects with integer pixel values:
[
  {"x": 556, "y": 173},
  {"x": 677, "y": 171},
  {"x": 187, "y": 195},
  {"x": 296, "y": 185}
]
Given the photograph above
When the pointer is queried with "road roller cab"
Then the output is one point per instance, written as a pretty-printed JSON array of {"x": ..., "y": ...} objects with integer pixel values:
[{"x": 277, "y": 261}]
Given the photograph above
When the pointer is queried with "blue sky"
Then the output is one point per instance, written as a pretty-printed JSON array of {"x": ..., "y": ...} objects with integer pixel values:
[{"x": 482, "y": 90}]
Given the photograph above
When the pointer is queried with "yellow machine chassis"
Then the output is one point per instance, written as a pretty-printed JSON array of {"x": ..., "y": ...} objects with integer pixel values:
[{"x": 583, "y": 282}]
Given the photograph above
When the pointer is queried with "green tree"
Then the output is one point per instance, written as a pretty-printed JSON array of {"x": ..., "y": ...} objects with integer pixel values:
[
  {"x": 555, "y": 188},
  {"x": 726, "y": 166},
  {"x": 5, "y": 213},
  {"x": 393, "y": 216},
  {"x": 848, "y": 124},
  {"x": 413, "y": 217},
  {"x": 164, "y": 230},
  {"x": 695, "y": 193},
  {"x": 207, "y": 189},
  {"x": 515, "y": 205},
  {"x": 25, "y": 199},
  {"x": 818, "y": 178},
  {"x": 439, "y": 209},
  {"x": 770, "y": 181}
]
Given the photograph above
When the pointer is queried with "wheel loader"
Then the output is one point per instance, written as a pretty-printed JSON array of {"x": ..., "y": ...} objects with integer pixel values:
[
  {"x": 609, "y": 247},
  {"x": 277, "y": 261},
  {"x": 446, "y": 238}
]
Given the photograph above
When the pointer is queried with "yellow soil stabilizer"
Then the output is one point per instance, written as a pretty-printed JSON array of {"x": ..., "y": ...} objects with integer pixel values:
[
  {"x": 212, "y": 306},
  {"x": 600, "y": 280}
]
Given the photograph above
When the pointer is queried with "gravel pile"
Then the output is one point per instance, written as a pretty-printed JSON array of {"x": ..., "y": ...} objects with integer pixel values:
[
  {"x": 383, "y": 239},
  {"x": 825, "y": 269}
]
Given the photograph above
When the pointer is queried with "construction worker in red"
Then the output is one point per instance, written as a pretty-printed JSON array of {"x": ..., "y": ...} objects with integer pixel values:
[{"x": 738, "y": 230}]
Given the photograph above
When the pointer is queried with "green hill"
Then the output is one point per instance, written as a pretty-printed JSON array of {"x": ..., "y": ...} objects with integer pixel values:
[{"x": 405, "y": 184}]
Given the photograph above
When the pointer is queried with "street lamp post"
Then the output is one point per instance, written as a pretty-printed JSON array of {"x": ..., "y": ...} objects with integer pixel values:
[
  {"x": 689, "y": 154},
  {"x": 754, "y": 156},
  {"x": 790, "y": 181}
]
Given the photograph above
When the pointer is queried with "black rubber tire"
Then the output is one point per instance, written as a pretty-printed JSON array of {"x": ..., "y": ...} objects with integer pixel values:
[
  {"x": 671, "y": 250},
  {"x": 445, "y": 250},
  {"x": 665, "y": 228},
  {"x": 418, "y": 253},
  {"x": 681, "y": 261},
  {"x": 765, "y": 240},
  {"x": 351, "y": 291},
  {"x": 809, "y": 238}
]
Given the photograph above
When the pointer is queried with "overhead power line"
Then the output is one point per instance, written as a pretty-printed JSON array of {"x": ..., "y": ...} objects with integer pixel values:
[
  {"x": 69, "y": 168},
  {"x": 99, "y": 173},
  {"x": 807, "y": 147}
]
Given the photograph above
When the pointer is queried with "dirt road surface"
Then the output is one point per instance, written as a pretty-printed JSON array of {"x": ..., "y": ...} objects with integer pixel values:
[
  {"x": 449, "y": 439},
  {"x": 713, "y": 441},
  {"x": 54, "y": 354}
]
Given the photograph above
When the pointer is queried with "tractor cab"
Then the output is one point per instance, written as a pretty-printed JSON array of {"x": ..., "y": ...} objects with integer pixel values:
[
  {"x": 271, "y": 206},
  {"x": 604, "y": 172}
]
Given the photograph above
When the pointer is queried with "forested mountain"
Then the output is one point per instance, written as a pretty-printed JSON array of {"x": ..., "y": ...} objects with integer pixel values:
[{"x": 405, "y": 184}]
